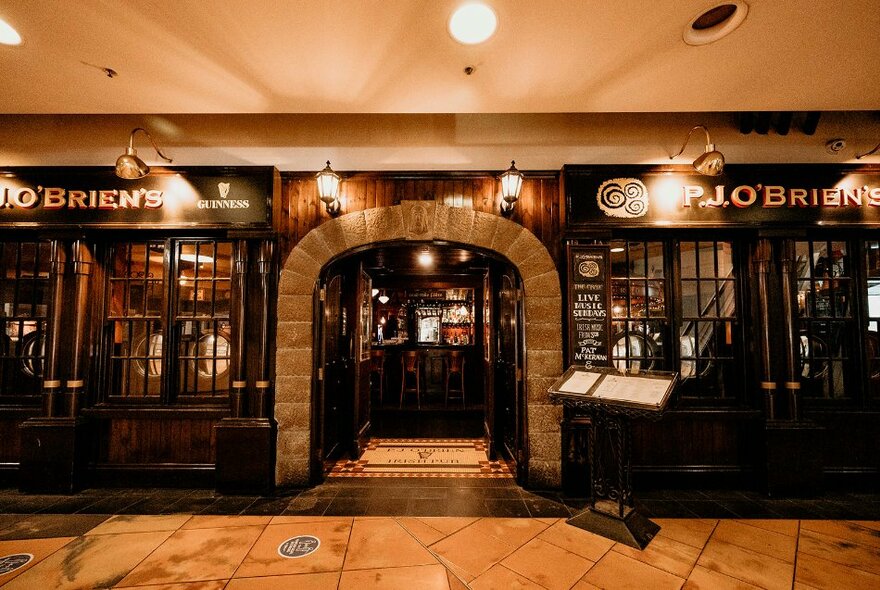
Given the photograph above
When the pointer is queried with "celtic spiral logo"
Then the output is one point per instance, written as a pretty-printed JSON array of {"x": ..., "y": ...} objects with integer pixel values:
[
  {"x": 623, "y": 197},
  {"x": 588, "y": 269}
]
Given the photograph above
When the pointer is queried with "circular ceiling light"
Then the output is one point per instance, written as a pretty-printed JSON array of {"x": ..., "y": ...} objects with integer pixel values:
[
  {"x": 715, "y": 22},
  {"x": 472, "y": 23},
  {"x": 8, "y": 35}
]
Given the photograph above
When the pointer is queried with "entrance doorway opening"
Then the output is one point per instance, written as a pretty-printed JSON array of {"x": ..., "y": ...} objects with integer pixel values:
[{"x": 420, "y": 340}]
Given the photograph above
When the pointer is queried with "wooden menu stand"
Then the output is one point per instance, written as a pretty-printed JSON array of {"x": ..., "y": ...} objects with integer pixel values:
[{"x": 612, "y": 399}]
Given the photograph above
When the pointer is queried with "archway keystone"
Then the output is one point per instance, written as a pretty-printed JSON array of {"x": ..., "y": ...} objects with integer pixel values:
[{"x": 417, "y": 221}]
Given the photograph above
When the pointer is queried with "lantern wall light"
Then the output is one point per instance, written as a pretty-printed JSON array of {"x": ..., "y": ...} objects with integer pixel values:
[
  {"x": 711, "y": 162},
  {"x": 511, "y": 185},
  {"x": 328, "y": 189},
  {"x": 129, "y": 166}
]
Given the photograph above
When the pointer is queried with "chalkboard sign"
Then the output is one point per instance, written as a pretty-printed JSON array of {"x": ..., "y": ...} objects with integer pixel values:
[{"x": 589, "y": 314}]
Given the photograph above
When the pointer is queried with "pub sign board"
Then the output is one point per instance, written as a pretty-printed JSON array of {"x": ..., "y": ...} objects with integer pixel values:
[
  {"x": 589, "y": 314},
  {"x": 744, "y": 195},
  {"x": 165, "y": 198}
]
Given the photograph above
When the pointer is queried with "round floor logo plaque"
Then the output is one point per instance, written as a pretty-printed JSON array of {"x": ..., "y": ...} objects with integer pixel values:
[
  {"x": 10, "y": 563},
  {"x": 300, "y": 546}
]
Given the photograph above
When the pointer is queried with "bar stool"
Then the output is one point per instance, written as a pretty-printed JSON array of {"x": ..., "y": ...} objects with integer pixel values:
[
  {"x": 455, "y": 366},
  {"x": 409, "y": 361},
  {"x": 377, "y": 367}
]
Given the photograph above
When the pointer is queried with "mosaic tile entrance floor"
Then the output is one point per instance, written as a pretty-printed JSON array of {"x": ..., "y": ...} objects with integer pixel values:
[
  {"x": 413, "y": 457},
  {"x": 186, "y": 552}
]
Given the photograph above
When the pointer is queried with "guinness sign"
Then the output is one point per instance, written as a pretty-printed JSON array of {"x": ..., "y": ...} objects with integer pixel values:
[{"x": 201, "y": 197}]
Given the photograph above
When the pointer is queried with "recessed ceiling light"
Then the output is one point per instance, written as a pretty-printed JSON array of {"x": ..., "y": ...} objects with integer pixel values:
[
  {"x": 8, "y": 35},
  {"x": 472, "y": 23},
  {"x": 715, "y": 22}
]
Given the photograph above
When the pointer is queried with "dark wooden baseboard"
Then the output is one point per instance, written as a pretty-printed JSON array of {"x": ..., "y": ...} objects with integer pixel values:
[{"x": 162, "y": 475}]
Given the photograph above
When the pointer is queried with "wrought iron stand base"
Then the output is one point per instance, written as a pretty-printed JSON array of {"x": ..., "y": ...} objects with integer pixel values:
[{"x": 603, "y": 519}]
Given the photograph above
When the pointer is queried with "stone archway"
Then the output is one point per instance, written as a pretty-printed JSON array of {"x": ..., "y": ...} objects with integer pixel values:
[{"x": 417, "y": 221}]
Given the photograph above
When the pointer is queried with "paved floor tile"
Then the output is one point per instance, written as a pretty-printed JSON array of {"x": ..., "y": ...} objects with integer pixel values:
[
  {"x": 196, "y": 555},
  {"x": 39, "y": 549},
  {"x": 706, "y": 579},
  {"x": 383, "y": 543},
  {"x": 423, "y": 577},
  {"x": 98, "y": 561},
  {"x": 499, "y": 577},
  {"x": 322, "y": 581},
  {"x": 619, "y": 572},
  {"x": 757, "y": 539},
  {"x": 822, "y": 573},
  {"x": 264, "y": 560},
  {"x": 748, "y": 566},
  {"x": 666, "y": 554},
  {"x": 577, "y": 541},
  {"x": 547, "y": 565},
  {"x": 694, "y": 532},
  {"x": 139, "y": 524}
]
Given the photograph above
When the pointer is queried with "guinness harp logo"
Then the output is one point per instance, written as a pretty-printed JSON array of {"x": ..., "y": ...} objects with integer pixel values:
[
  {"x": 588, "y": 269},
  {"x": 223, "y": 187},
  {"x": 418, "y": 220},
  {"x": 623, "y": 197}
]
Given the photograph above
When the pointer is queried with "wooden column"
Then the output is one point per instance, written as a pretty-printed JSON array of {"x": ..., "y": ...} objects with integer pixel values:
[
  {"x": 792, "y": 347},
  {"x": 761, "y": 266},
  {"x": 54, "y": 447},
  {"x": 54, "y": 330},
  {"x": 263, "y": 383},
  {"x": 246, "y": 445},
  {"x": 83, "y": 264},
  {"x": 238, "y": 372}
]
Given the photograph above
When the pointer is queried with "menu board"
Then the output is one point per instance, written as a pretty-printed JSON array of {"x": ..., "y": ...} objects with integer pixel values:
[
  {"x": 647, "y": 390},
  {"x": 589, "y": 315}
]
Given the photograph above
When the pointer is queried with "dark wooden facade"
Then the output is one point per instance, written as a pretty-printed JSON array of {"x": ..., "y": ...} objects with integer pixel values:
[
  {"x": 538, "y": 209},
  {"x": 725, "y": 444}
]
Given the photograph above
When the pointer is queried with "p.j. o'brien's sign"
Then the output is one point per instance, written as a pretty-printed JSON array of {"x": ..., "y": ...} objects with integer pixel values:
[
  {"x": 743, "y": 195},
  {"x": 164, "y": 198}
]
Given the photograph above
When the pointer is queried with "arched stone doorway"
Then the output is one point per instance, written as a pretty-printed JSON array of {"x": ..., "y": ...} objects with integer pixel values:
[{"x": 417, "y": 221}]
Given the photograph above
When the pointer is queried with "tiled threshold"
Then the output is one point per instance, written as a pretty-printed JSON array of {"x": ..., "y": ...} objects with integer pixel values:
[
  {"x": 437, "y": 497},
  {"x": 185, "y": 552}
]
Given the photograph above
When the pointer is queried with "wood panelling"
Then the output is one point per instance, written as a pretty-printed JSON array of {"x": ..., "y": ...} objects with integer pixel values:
[
  {"x": 10, "y": 443},
  {"x": 537, "y": 208},
  {"x": 142, "y": 440},
  {"x": 696, "y": 441}
]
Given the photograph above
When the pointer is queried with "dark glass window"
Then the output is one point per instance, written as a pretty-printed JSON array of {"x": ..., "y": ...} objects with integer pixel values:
[
  {"x": 137, "y": 296},
  {"x": 872, "y": 317},
  {"x": 708, "y": 332},
  {"x": 24, "y": 283},
  {"x": 202, "y": 317},
  {"x": 824, "y": 299},
  {"x": 639, "y": 312},
  {"x": 197, "y": 301}
]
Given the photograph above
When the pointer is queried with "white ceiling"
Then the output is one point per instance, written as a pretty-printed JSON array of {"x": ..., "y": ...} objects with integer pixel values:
[
  {"x": 538, "y": 92},
  {"x": 395, "y": 56}
]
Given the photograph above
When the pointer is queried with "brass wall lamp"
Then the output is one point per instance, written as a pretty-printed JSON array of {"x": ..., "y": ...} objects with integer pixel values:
[
  {"x": 711, "y": 162},
  {"x": 511, "y": 185},
  {"x": 328, "y": 190},
  {"x": 129, "y": 166}
]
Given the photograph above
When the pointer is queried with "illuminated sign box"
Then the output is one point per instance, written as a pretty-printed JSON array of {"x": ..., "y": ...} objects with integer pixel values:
[
  {"x": 166, "y": 198},
  {"x": 745, "y": 195}
]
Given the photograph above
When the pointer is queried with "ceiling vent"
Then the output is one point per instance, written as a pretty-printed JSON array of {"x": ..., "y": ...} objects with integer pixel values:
[{"x": 716, "y": 22}]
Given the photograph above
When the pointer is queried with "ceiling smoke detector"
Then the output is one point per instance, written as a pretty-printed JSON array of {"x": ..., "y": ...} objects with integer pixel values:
[{"x": 715, "y": 22}]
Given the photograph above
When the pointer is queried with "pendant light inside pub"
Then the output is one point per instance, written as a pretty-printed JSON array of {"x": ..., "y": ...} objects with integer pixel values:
[
  {"x": 129, "y": 166},
  {"x": 711, "y": 162}
]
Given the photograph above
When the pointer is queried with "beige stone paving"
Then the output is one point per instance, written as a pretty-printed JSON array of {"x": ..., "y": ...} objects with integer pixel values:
[{"x": 182, "y": 552}]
